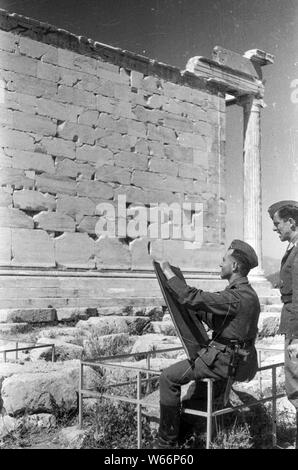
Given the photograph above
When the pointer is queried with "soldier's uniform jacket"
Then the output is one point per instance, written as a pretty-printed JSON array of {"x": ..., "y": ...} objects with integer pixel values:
[
  {"x": 289, "y": 293},
  {"x": 232, "y": 314}
]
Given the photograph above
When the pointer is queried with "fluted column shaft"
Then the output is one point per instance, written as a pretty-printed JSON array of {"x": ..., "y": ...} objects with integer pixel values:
[{"x": 252, "y": 177}]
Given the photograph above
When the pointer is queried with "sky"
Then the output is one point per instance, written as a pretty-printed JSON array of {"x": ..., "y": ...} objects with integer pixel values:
[{"x": 172, "y": 31}]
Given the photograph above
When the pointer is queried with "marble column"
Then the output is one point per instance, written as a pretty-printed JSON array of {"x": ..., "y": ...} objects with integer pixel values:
[{"x": 252, "y": 179}]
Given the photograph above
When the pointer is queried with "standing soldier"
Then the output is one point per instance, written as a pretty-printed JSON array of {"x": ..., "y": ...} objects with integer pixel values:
[
  {"x": 233, "y": 316},
  {"x": 285, "y": 220}
]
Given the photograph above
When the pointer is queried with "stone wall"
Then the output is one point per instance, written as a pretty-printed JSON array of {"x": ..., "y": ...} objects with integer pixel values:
[
  {"x": 78, "y": 129},
  {"x": 83, "y": 124}
]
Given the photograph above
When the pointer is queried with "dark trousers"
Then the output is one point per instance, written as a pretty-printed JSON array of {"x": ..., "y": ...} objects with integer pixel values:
[
  {"x": 181, "y": 373},
  {"x": 291, "y": 377}
]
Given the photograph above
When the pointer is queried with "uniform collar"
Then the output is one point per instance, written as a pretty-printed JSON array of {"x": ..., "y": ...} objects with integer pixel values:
[
  {"x": 238, "y": 281},
  {"x": 293, "y": 243}
]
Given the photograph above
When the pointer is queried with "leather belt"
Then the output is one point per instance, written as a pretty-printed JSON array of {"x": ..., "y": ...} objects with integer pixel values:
[{"x": 233, "y": 342}]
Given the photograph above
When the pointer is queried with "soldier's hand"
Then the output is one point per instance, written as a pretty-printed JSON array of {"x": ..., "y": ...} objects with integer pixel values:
[{"x": 165, "y": 265}]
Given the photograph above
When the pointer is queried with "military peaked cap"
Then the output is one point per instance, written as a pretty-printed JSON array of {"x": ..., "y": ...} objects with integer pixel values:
[
  {"x": 281, "y": 205},
  {"x": 247, "y": 251}
]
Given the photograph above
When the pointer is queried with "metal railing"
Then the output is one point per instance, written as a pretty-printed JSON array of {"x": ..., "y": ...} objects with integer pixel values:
[
  {"x": 32, "y": 345},
  {"x": 140, "y": 402}
]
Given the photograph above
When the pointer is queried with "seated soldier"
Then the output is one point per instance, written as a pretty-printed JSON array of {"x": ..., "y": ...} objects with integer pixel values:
[{"x": 233, "y": 315}]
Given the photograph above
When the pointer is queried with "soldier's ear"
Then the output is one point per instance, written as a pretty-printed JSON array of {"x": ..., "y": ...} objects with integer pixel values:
[
  {"x": 235, "y": 267},
  {"x": 292, "y": 223}
]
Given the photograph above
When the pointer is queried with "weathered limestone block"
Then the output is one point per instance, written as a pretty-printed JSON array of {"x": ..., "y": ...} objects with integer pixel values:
[
  {"x": 14, "y": 218},
  {"x": 146, "y": 115},
  {"x": 74, "y": 250},
  {"x": 33, "y": 200},
  {"x": 136, "y": 79},
  {"x": 54, "y": 221},
  {"x": 37, "y": 50},
  {"x": 179, "y": 154},
  {"x": 200, "y": 158},
  {"x": 5, "y": 246},
  {"x": 58, "y": 147},
  {"x": 32, "y": 248},
  {"x": 33, "y": 123},
  {"x": 97, "y": 345},
  {"x": 8, "y": 41},
  {"x": 42, "y": 387},
  {"x": 13, "y": 328},
  {"x": 163, "y": 166},
  {"x": 63, "y": 351},
  {"x": 152, "y": 341},
  {"x": 28, "y": 315},
  {"x": 88, "y": 224},
  {"x": 65, "y": 314},
  {"x": 131, "y": 160},
  {"x": 71, "y": 131},
  {"x": 76, "y": 96},
  {"x": 161, "y": 134},
  {"x": 113, "y": 173},
  {"x": 48, "y": 72},
  {"x": 75, "y": 206},
  {"x": 31, "y": 85},
  {"x": 55, "y": 184},
  {"x": 88, "y": 117},
  {"x": 95, "y": 154},
  {"x": 188, "y": 139},
  {"x": 116, "y": 141},
  {"x": 32, "y": 161},
  {"x": 111, "y": 253},
  {"x": 190, "y": 171},
  {"x": 147, "y": 180},
  {"x": 63, "y": 112},
  {"x": 174, "y": 183},
  {"x": 15, "y": 177},
  {"x": 104, "y": 325},
  {"x": 163, "y": 327},
  {"x": 140, "y": 196},
  {"x": 95, "y": 189},
  {"x": 69, "y": 168},
  {"x": 139, "y": 254},
  {"x": 16, "y": 63}
]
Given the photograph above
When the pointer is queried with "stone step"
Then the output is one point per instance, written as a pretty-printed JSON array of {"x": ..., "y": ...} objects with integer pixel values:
[{"x": 79, "y": 302}]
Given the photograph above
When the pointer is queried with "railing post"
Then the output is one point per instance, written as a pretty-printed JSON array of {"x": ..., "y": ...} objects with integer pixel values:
[
  {"x": 17, "y": 355},
  {"x": 148, "y": 387},
  {"x": 139, "y": 411},
  {"x": 209, "y": 412},
  {"x": 81, "y": 378},
  {"x": 260, "y": 373},
  {"x": 274, "y": 438},
  {"x": 53, "y": 353}
]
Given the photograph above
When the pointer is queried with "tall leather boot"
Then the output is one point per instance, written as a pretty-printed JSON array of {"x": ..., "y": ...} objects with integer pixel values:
[{"x": 169, "y": 425}]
